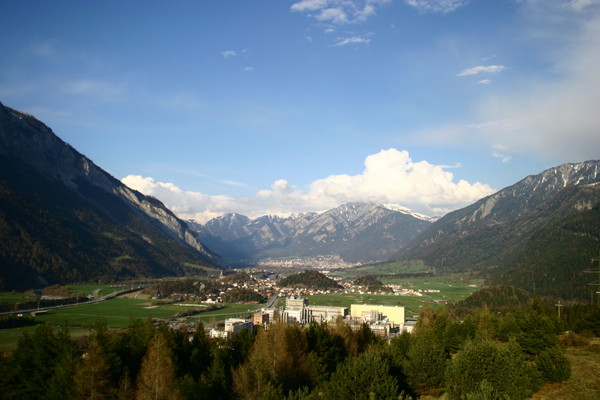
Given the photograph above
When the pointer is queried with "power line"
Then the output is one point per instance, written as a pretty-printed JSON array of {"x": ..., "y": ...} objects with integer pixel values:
[{"x": 595, "y": 272}]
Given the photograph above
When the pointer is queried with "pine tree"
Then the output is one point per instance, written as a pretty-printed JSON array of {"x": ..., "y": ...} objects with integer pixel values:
[
  {"x": 426, "y": 361},
  {"x": 501, "y": 365},
  {"x": 364, "y": 377},
  {"x": 156, "y": 379}
]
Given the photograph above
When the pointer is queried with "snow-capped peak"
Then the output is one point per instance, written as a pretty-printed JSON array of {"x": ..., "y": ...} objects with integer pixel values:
[{"x": 408, "y": 211}]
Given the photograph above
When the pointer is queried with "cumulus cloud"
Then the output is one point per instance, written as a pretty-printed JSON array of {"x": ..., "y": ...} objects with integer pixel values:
[
  {"x": 389, "y": 176},
  {"x": 490, "y": 69},
  {"x": 554, "y": 118},
  {"x": 438, "y": 6},
  {"x": 338, "y": 11}
]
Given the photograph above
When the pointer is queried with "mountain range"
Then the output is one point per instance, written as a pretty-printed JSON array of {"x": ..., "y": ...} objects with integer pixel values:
[
  {"x": 63, "y": 219},
  {"x": 356, "y": 232}
]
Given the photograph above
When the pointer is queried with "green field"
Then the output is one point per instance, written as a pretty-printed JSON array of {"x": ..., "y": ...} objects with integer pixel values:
[
  {"x": 451, "y": 288},
  {"x": 387, "y": 268},
  {"x": 118, "y": 313},
  {"x": 14, "y": 297}
]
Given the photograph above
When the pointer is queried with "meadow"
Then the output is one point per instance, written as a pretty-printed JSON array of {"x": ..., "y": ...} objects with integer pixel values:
[{"x": 118, "y": 314}]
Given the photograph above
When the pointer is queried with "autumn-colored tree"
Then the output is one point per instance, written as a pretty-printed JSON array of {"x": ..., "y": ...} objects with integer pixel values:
[
  {"x": 91, "y": 380},
  {"x": 156, "y": 379},
  {"x": 278, "y": 363}
]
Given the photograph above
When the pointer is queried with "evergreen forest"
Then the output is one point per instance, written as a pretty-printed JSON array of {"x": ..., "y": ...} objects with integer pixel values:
[{"x": 488, "y": 354}]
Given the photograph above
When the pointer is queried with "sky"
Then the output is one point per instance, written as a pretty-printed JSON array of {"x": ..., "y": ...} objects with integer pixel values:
[{"x": 290, "y": 106}]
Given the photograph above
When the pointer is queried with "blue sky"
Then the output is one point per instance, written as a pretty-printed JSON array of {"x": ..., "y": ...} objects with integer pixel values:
[{"x": 277, "y": 106}]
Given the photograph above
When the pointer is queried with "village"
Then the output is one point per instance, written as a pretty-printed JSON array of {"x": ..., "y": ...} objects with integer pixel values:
[{"x": 290, "y": 304}]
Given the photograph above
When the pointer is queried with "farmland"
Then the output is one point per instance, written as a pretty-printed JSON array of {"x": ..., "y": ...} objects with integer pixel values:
[{"x": 118, "y": 313}]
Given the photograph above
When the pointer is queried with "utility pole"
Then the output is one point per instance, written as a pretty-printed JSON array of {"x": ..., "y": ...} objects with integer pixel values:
[{"x": 597, "y": 283}]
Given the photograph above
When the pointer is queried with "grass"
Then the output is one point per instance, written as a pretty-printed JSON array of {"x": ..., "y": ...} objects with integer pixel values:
[
  {"x": 15, "y": 297},
  {"x": 118, "y": 314},
  {"x": 584, "y": 383},
  {"x": 387, "y": 268},
  {"x": 451, "y": 289}
]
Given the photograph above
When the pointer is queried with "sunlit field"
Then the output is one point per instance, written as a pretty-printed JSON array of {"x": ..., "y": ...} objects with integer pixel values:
[{"x": 118, "y": 314}]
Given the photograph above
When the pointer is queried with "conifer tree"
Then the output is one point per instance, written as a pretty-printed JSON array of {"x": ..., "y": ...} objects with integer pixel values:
[
  {"x": 364, "y": 377},
  {"x": 156, "y": 379},
  {"x": 91, "y": 380},
  {"x": 501, "y": 365}
]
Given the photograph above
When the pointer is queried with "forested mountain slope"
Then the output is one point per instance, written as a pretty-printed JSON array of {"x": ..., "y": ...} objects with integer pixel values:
[
  {"x": 494, "y": 228},
  {"x": 63, "y": 219}
]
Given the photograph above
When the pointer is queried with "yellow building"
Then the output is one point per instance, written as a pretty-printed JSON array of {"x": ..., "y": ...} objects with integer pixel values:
[{"x": 374, "y": 313}]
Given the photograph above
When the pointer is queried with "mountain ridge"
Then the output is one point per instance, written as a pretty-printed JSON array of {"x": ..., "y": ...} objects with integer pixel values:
[
  {"x": 357, "y": 232},
  {"x": 512, "y": 233},
  {"x": 49, "y": 190}
]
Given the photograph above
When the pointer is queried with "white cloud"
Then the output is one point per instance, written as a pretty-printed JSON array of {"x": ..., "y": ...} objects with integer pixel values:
[
  {"x": 389, "y": 176},
  {"x": 229, "y": 53},
  {"x": 440, "y": 6},
  {"x": 352, "y": 40},
  {"x": 338, "y": 11},
  {"x": 309, "y": 5},
  {"x": 490, "y": 69},
  {"x": 248, "y": 68},
  {"x": 485, "y": 81},
  {"x": 580, "y": 5},
  {"x": 334, "y": 15}
]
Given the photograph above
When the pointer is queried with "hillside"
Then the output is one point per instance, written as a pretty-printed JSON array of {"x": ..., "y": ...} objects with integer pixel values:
[
  {"x": 309, "y": 279},
  {"x": 63, "y": 219},
  {"x": 357, "y": 232},
  {"x": 554, "y": 260},
  {"x": 493, "y": 235},
  {"x": 485, "y": 232}
]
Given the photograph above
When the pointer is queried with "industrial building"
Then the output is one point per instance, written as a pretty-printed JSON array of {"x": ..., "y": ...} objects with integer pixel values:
[
  {"x": 298, "y": 310},
  {"x": 372, "y": 314}
]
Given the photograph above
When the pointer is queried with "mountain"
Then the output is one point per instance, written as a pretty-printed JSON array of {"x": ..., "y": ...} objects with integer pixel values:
[
  {"x": 356, "y": 232},
  {"x": 63, "y": 219},
  {"x": 559, "y": 258},
  {"x": 497, "y": 234}
]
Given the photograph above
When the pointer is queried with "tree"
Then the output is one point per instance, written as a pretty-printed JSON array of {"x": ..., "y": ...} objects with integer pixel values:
[
  {"x": 327, "y": 350},
  {"x": 133, "y": 344},
  {"x": 554, "y": 365},
  {"x": 425, "y": 362},
  {"x": 362, "y": 377},
  {"x": 277, "y": 364},
  {"x": 156, "y": 379},
  {"x": 91, "y": 380},
  {"x": 42, "y": 365},
  {"x": 537, "y": 332},
  {"x": 501, "y": 365}
]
